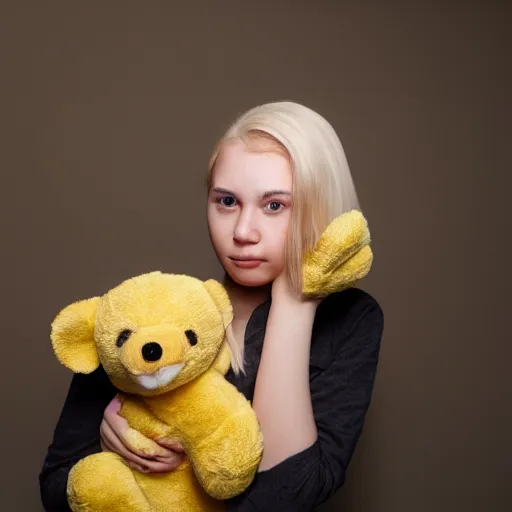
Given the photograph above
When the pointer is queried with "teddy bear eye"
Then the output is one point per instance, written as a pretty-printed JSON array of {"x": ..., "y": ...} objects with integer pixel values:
[
  {"x": 192, "y": 337},
  {"x": 123, "y": 337}
]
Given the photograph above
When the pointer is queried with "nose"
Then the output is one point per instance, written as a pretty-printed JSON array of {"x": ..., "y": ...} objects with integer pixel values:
[
  {"x": 151, "y": 352},
  {"x": 245, "y": 229}
]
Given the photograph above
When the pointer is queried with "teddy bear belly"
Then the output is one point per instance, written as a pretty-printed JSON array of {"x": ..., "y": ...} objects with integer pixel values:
[{"x": 178, "y": 491}]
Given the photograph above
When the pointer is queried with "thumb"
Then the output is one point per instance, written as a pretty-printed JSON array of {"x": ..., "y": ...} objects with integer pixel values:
[
  {"x": 114, "y": 406},
  {"x": 112, "y": 417}
]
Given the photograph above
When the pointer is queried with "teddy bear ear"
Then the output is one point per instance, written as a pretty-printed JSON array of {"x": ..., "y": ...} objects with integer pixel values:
[
  {"x": 221, "y": 299},
  {"x": 72, "y": 336}
]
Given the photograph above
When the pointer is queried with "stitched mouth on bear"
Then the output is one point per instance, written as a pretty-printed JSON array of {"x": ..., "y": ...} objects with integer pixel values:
[{"x": 161, "y": 377}]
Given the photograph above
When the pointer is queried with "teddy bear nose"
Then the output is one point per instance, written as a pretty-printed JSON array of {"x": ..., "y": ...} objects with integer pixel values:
[{"x": 151, "y": 352}]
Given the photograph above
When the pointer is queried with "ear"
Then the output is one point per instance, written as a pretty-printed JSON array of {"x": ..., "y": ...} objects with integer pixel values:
[
  {"x": 72, "y": 336},
  {"x": 220, "y": 296}
]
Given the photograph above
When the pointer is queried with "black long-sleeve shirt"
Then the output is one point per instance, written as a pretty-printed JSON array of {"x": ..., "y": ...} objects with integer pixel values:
[{"x": 345, "y": 347}]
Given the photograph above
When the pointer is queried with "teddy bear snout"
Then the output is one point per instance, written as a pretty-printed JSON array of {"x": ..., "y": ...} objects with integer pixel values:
[
  {"x": 151, "y": 348},
  {"x": 151, "y": 352}
]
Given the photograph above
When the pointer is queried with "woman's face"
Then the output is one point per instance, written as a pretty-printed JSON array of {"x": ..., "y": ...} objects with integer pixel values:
[{"x": 249, "y": 206}]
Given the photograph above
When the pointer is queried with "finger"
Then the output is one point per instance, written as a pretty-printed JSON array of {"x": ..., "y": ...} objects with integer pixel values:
[
  {"x": 110, "y": 442},
  {"x": 120, "y": 427},
  {"x": 138, "y": 468},
  {"x": 142, "y": 445},
  {"x": 113, "y": 418},
  {"x": 107, "y": 447},
  {"x": 176, "y": 460},
  {"x": 114, "y": 444},
  {"x": 171, "y": 445},
  {"x": 151, "y": 466},
  {"x": 164, "y": 467},
  {"x": 115, "y": 405}
]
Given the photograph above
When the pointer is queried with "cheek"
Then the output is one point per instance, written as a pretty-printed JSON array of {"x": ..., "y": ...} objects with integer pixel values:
[
  {"x": 218, "y": 230},
  {"x": 277, "y": 245},
  {"x": 277, "y": 236}
]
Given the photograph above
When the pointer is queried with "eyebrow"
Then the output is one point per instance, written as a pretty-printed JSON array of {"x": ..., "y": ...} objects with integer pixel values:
[{"x": 264, "y": 196}]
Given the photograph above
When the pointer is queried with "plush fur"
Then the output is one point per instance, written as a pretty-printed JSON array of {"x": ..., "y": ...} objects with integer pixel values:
[{"x": 161, "y": 340}]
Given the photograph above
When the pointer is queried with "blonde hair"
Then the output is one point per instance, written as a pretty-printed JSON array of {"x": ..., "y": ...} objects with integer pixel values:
[{"x": 322, "y": 189}]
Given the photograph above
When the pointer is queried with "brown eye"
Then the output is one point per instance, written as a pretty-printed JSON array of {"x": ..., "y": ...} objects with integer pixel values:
[
  {"x": 123, "y": 337},
  {"x": 192, "y": 337}
]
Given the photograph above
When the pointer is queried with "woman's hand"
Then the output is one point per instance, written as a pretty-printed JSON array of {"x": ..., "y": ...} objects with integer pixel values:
[
  {"x": 113, "y": 426},
  {"x": 281, "y": 292}
]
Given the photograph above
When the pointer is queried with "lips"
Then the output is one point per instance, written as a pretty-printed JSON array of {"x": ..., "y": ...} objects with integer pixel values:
[
  {"x": 247, "y": 263},
  {"x": 245, "y": 259}
]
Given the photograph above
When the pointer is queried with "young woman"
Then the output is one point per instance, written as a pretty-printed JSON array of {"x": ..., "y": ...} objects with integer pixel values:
[{"x": 276, "y": 179}]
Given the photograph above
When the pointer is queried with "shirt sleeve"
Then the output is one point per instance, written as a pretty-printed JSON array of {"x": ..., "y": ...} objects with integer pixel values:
[
  {"x": 341, "y": 396},
  {"x": 76, "y": 435}
]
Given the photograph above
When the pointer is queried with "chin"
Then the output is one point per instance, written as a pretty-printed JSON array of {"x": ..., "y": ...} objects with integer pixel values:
[{"x": 251, "y": 279}]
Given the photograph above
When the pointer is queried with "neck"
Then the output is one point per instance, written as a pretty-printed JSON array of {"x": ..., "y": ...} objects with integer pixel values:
[{"x": 245, "y": 299}]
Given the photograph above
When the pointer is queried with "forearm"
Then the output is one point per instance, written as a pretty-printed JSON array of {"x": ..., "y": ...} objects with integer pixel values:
[{"x": 282, "y": 398}]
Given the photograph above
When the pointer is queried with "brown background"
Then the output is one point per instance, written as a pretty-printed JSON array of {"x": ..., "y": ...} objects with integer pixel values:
[{"x": 108, "y": 115}]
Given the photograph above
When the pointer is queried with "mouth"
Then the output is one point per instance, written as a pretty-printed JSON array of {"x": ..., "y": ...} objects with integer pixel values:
[
  {"x": 247, "y": 262},
  {"x": 161, "y": 377},
  {"x": 245, "y": 258}
]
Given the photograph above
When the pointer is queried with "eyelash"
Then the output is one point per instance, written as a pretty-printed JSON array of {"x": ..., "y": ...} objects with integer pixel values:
[{"x": 218, "y": 200}]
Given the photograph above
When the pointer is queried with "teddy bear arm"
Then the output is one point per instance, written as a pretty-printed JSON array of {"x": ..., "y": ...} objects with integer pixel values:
[
  {"x": 345, "y": 276},
  {"x": 341, "y": 257},
  {"x": 227, "y": 459},
  {"x": 144, "y": 428}
]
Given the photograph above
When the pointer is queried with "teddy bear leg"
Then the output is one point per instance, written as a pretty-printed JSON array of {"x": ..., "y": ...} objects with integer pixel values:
[
  {"x": 177, "y": 491},
  {"x": 102, "y": 482}
]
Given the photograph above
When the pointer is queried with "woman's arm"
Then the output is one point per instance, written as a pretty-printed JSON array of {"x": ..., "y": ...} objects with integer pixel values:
[
  {"x": 340, "y": 396},
  {"x": 76, "y": 435},
  {"x": 282, "y": 398}
]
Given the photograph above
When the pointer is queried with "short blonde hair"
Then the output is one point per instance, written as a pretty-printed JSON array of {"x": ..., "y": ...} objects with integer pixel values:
[{"x": 322, "y": 189}]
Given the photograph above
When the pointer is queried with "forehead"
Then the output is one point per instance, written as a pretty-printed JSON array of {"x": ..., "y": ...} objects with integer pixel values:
[
  {"x": 242, "y": 170},
  {"x": 153, "y": 299}
]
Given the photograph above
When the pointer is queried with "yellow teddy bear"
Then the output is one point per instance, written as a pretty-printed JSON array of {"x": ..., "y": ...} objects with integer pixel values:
[{"x": 161, "y": 340}]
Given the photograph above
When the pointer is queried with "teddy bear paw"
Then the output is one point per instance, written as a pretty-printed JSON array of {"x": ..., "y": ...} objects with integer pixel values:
[{"x": 341, "y": 256}]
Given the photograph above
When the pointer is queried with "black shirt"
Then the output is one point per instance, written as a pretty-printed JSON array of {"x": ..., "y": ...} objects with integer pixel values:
[{"x": 345, "y": 347}]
